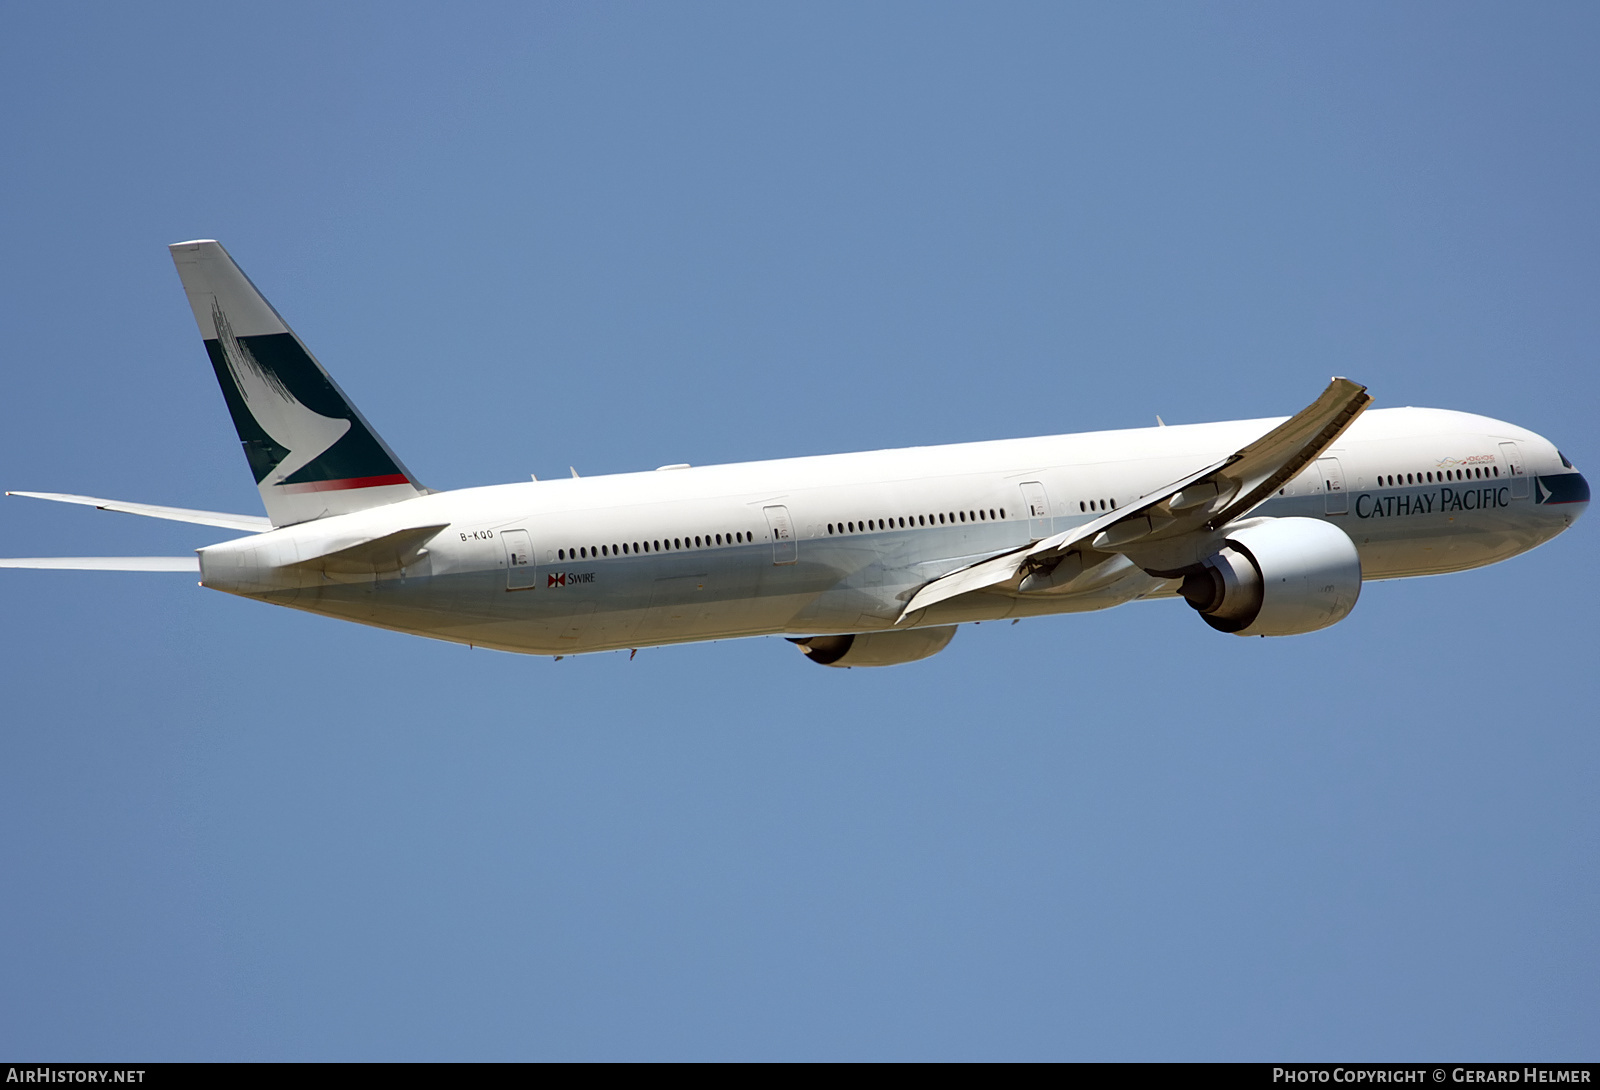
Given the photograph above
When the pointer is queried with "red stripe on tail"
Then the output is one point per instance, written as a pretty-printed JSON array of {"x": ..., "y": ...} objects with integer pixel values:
[{"x": 348, "y": 482}]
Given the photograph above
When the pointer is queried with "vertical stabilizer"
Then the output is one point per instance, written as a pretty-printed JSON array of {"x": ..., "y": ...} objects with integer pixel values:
[{"x": 311, "y": 452}]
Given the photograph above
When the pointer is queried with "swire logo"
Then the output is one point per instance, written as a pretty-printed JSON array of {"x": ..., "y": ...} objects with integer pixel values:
[{"x": 566, "y": 578}]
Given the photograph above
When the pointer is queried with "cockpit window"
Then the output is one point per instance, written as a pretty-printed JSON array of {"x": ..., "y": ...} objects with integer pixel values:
[{"x": 1563, "y": 458}]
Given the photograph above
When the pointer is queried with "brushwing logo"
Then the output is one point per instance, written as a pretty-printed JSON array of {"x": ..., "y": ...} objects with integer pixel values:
[{"x": 306, "y": 435}]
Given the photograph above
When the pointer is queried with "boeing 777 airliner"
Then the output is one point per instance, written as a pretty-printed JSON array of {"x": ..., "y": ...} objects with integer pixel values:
[{"x": 1265, "y": 527}]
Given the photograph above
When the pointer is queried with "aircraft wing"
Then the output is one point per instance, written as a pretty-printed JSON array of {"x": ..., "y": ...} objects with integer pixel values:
[
  {"x": 254, "y": 524},
  {"x": 1196, "y": 504},
  {"x": 189, "y": 564}
]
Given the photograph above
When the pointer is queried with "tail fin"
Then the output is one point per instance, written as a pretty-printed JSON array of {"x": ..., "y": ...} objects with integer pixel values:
[{"x": 312, "y": 453}]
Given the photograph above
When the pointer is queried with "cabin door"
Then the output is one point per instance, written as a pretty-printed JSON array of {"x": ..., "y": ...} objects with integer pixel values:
[
  {"x": 519, "y": 559},
  {"x": 1336, "y": 501},
  {"x": 783, "y": 542},
  {"x": 1038, "y": 507},
  {"x": 1512, "y": 455}
]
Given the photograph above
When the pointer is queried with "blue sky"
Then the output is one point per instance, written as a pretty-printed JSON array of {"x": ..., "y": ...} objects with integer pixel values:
[{"x": 617, "y": 236}]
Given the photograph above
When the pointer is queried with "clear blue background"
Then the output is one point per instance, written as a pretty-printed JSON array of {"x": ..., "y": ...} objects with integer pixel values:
[{"x": 616, "y": 236}]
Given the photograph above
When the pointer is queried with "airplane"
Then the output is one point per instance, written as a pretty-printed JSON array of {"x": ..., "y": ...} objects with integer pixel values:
[{"x": 1264, "y": 527}]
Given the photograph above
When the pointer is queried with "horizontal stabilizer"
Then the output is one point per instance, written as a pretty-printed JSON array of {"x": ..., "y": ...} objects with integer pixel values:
[
  {"x": 190, "y": 564},
  {"x": 254, "y": 524}
]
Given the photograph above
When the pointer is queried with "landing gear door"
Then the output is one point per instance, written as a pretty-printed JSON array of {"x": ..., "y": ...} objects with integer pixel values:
[
  {"x": 519, "y": 559},
  {"x": 1336, "y": 501},
  {"x": 1512, "y": 456},
  {"x": 783, "y": 542},
  {"x": 1038, "y": 507}
]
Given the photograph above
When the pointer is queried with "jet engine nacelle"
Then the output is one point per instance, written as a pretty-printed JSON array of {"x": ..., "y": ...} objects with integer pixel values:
[
  {"x": 1277, "y": 577},
  {"x": 876, "y": 648}
]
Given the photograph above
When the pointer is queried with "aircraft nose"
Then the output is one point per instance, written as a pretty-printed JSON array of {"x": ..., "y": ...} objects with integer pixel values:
[{"x": 1566, "y": 492}]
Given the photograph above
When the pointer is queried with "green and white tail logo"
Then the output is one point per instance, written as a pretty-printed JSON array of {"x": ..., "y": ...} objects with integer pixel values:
[{"x": 311, "y": 452}]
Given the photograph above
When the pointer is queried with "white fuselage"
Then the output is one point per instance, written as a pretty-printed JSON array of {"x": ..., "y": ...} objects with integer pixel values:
[{"x": 838, "y": 543}]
